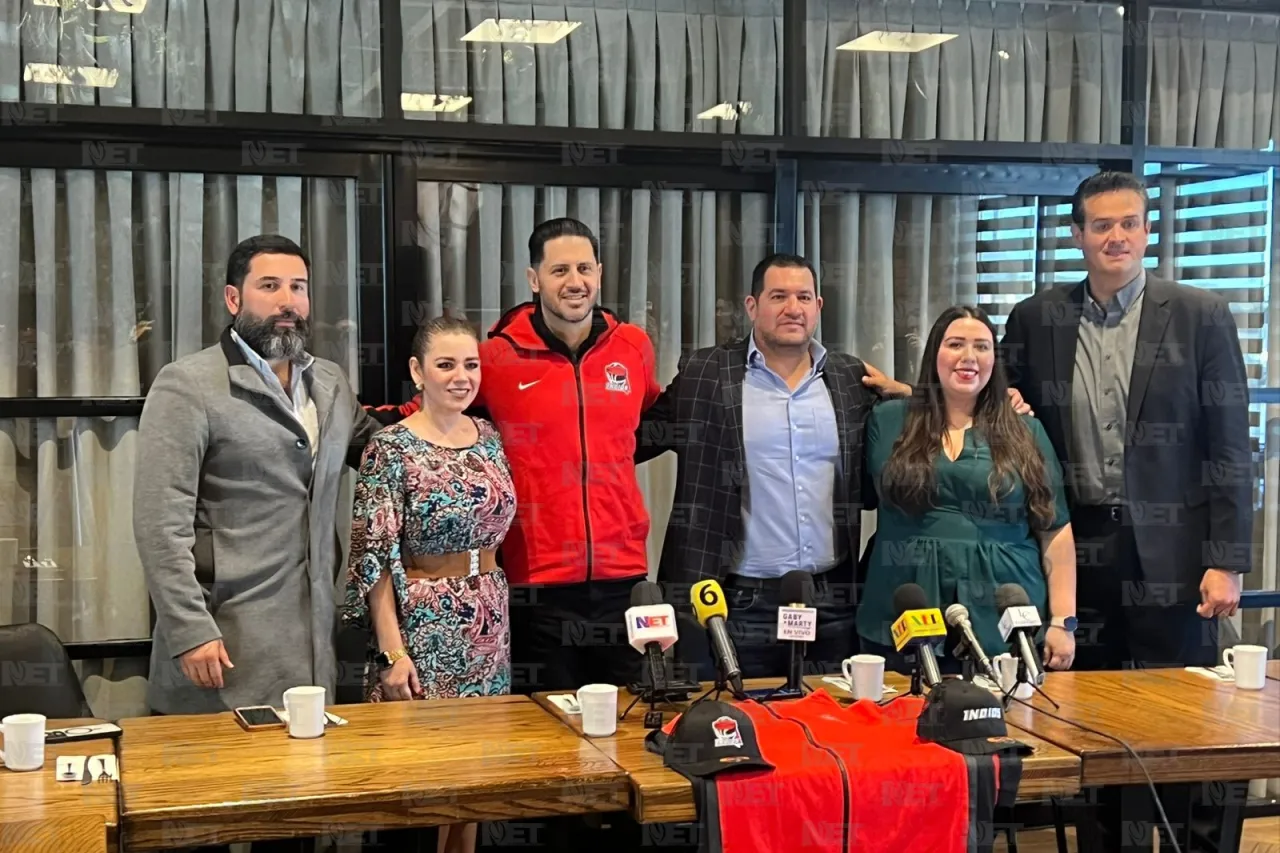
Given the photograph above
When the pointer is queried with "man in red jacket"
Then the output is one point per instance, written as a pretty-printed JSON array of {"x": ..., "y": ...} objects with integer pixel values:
[{"x": 565, "y": 382}]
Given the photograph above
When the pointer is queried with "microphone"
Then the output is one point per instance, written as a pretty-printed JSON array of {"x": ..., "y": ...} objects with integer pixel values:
[
  {"x": 797, "y": 623},
  {"x": 651, "y": 630},
  {"x": 709, "y": 607},
  {"x": 1019, "y": 618},
  {"x": 917, "y": 627},
  {"x": 957, "y": 616}
]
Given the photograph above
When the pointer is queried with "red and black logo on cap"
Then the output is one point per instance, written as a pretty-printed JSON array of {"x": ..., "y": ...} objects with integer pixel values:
[{"x": 710, "y": 737}]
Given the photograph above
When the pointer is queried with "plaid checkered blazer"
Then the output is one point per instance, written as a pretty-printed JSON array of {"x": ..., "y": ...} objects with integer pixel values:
[{"x": 699, "y": 417}]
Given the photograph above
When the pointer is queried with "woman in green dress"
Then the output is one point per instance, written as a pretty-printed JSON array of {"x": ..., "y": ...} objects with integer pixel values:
[{"x": 970, "y": 497}]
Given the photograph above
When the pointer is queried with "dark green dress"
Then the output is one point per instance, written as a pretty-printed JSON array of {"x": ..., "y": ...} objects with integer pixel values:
[{"x": 965, "y": 546}]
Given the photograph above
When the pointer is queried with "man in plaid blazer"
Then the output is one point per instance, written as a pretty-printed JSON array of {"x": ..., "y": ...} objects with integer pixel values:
[{"x": 778, "y": 411}]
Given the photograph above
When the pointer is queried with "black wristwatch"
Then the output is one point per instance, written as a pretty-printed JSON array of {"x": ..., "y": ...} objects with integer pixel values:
[{"x": 1066, "y": 623}]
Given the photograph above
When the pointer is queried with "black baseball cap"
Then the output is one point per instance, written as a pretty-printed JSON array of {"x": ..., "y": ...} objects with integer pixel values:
[
  {"x": 962, "y": 716},
  {"x": 711, "y": 736}
]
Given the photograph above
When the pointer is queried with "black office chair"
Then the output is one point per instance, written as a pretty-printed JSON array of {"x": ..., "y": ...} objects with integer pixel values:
[{"x": 37, "y": 675}]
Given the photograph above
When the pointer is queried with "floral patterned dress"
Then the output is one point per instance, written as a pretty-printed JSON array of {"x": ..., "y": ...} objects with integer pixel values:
[{"x": 417, "y": 498}]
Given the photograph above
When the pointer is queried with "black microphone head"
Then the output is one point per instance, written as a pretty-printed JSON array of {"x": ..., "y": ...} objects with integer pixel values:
[
  {"x": 796, "y": 587},
  {"x": 909, "y": 596},
  {"x": 1011, "y": 595},
  {"x": 645, "y": 593}
]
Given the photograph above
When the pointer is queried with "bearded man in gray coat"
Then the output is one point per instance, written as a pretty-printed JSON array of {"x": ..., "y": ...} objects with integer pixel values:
[{"x": 242, "y": 452}]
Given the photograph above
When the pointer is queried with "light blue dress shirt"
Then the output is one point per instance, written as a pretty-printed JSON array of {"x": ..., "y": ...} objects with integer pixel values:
[{"x": 792, "y": 452}]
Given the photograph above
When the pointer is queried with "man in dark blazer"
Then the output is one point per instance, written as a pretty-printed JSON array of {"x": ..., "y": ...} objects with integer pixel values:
[
  {"x": 780, "y": 411},
  {"x": 1141, "y": 386}
]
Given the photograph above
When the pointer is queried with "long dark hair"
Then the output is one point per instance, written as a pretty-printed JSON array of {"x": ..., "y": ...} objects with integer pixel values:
[{"x": 909, "y": 474}]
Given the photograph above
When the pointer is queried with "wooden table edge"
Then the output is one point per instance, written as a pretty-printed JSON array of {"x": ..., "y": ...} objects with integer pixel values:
[
  {"x": 549, "y": 708},
  {"x": 1118, "y": 769},
  {"x": 151, "y": 830},
  {"x": 71, "y": 831}
]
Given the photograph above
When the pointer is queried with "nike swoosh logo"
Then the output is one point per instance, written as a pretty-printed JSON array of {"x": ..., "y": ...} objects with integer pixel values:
[{"x": 524, "y": 385}]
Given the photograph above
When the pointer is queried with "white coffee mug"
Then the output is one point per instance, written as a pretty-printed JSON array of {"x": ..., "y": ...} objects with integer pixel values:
[
  {"x": 305, "y": 707},
  {"x": 1250, "y": 665},
  {"x": 865, "y": 674},
  {"x": 599, "y": 703},
  {"x": 1006, "y": 666},
  {"x": 23, "y": 741}
]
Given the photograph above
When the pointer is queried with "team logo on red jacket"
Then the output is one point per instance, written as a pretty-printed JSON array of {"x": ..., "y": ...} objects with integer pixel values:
[
  {"x": 615, "y": 377},
  {"x": 726, "y": 732}
]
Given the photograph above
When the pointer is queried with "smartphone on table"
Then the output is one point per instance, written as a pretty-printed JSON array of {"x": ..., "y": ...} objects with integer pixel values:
[{"x": 256, "y": 717}]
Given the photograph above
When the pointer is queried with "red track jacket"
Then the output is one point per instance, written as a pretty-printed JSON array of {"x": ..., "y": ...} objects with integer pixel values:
[{"x": 568, "y": 427}]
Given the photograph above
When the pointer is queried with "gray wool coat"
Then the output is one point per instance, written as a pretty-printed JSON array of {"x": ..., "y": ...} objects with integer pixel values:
[{"x": 236, "y": 529}]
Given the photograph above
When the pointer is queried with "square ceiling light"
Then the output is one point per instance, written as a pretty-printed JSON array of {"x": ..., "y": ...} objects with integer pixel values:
[
  {"x": 127, "y": 7},
  {"x": 887, "y": 41},
  {"x": 429, "y": 102},
  {"x": 727, "y": 111},
  {"x": 516, "y": 31},
  {"x": 70, "y": 75}
]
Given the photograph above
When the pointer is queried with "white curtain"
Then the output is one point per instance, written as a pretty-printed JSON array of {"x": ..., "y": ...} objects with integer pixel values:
[
  {"x": 1214, "y": 80},
  {"x": 104, "y": 278},
  {"x": 677, "y": 263},
  {"x": 319, "y": 57},
  {"x": 1015, "y": 72},
  {"x": 638, "y": 64}
]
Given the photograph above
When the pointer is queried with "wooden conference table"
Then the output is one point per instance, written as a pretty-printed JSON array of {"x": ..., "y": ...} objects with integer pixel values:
[
  {"x": 1185, "y": 727},
  {"x": 200, "y": 780},
  {"x": 196, "y": 780},
  {"x": 660, "y": 795}
]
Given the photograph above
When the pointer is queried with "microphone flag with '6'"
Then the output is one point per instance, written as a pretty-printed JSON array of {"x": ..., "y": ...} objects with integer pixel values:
[{"x": 710, "y": 608}]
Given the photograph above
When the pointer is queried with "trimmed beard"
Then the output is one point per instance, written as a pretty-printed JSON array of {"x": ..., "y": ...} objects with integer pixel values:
[
  {"x": 270, "y": 342},
  {"x": 547, "y": 306}
]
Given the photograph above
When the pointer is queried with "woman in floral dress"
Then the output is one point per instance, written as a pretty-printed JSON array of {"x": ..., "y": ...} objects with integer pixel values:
[{"x": 433, "y": 501}]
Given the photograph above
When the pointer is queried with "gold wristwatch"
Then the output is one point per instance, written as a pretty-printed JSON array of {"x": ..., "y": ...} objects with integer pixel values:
[{"x": 386, "y": 659}]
